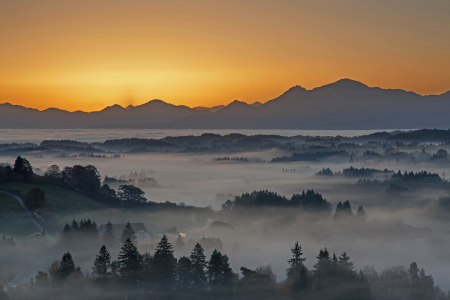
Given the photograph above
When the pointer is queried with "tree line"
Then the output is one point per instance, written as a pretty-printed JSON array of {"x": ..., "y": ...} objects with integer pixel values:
[
  {"x": 308, "y": 200},
  {"x": 160, "y": 275},
  {"x": 83, "y": 179}
]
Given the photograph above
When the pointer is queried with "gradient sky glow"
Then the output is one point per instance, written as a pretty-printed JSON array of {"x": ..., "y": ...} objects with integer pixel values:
[{"x": 88, "y": 54}]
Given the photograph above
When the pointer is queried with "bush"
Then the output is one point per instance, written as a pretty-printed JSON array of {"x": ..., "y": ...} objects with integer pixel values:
[{"x": 35, "y": 198}]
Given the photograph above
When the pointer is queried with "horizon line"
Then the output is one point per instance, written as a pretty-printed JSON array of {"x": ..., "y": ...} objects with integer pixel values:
[{"x": 225, "y": 105}]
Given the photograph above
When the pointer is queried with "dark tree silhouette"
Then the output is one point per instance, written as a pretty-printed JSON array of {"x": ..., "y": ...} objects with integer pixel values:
[
  {"x": 109, "y": 236},
  {"x": 23, "y": 169},
  {"x": 297, "y": 274},
  {"x": 164, "y": 264},
  {"x": 66, "y": 266},
  {"x": 35, "y": 198},
  {"x": 184, "y": 274},
  {"x": 129, "y": 263},
  {"x": 198, "y": 263},
  {"x": 219, "y": 275},
  {"x": 131, "y": 194},
  {"x": 101, "y": 266}
]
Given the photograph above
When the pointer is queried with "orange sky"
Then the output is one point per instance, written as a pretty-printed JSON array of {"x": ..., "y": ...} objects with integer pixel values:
[{"x": 88, "y": 54}]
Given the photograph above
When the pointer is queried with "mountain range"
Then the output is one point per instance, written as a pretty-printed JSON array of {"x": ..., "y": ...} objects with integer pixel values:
[{"x": 345, "y": 104}]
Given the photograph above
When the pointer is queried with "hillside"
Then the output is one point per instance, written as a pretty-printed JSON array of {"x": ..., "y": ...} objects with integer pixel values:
[
  {"x": 13, "y": 220},
  {"x": 61, "y": 203}
]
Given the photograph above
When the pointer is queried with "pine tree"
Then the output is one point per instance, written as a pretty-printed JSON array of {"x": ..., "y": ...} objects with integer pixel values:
[
  {"x": 413, "y": 273},
  {"x": 102, "y": 264},
  {"x": 129, "y": 263},
  {"x": 297, "y": 273},
  {"x": 109, "y": 237},
  {"x": 184, "y": 273},
  {"x": 426, "y": 285},
  {"x": 66, "y": 266},
  {"x": 219, "y": 274},
  {"x": 128, "y": 233},
  {"x": 343, "y": 211},
  {"x": 322, "y": 268},
  {"x": 67, "y": 234},
  {"x": 198, "y": 262},
  {"x": 346, "y": 266},
  {"x": 361, "y": 214},
  {"x": 164, "y": 264},
  {"x": 74, "y": 225}
]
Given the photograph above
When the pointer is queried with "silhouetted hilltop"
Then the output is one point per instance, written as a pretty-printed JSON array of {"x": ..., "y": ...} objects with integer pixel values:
[{"x": 345, "y": 104}]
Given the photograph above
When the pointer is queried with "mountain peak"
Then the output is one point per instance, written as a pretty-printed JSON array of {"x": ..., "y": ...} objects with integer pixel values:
[
  {"x": 294, "y": 91},
  {"x": 115, "y": 107},
  {"x": 237, "y": 102},
  {"x": 345, "y": 83}
]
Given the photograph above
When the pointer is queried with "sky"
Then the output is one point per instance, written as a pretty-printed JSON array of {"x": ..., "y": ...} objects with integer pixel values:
[{"x": 89, "y": 54}]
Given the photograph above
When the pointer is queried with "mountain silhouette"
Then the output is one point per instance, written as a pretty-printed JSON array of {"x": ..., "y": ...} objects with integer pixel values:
[{"x": 345, "y": 104}]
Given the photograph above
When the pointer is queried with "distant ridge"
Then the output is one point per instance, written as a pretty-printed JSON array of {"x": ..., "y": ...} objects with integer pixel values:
[{"x": 345, "y": 104}]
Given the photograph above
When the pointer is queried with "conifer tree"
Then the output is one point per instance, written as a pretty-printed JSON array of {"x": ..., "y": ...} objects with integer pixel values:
[
  {"x": 297, "y": 273},
  {"x": 198, "y": 262},
  {"x": 128, "y": 233},
  {"x": 343, "y": 211},
  {"x": 184, "y": 273},
  {"x": 74, "y": 225},
  {"x": 109, "y": 236},
  {"x": 66, "y": 266},
  {"x": 164, "y": 264},
  {"x": 129, "y": 263},
  {"x": 361, "y": 214},
  {"x": 67, "y": 234},
  {"x": 345, "y": 265},
  {"x": 322, "y": 268},
  {"x": 102, "y": 264},
  {"x": 219, "y": 274}
]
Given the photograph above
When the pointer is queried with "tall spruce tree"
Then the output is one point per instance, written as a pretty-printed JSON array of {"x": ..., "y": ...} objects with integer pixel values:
[
  {"x": 219, "y": 274},
  {"x": 297, "y": 273},
  {"x": 66, "y": 266},
  {"x": 165, "y": 264},
  {"x": 129, "y": 261},
  {"x": 198, "y": 263},
  {"x": 102, "y": 263}
]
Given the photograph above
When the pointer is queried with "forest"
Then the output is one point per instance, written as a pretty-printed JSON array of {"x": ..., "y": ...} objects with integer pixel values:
[{"x": 160, "y": 275}]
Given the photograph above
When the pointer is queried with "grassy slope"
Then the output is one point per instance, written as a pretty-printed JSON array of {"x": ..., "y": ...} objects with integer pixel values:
[
  {"x": 13, "y": 220},
  {"x": 60, "y": 200},
  {"x": 61, "y": 203}
]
